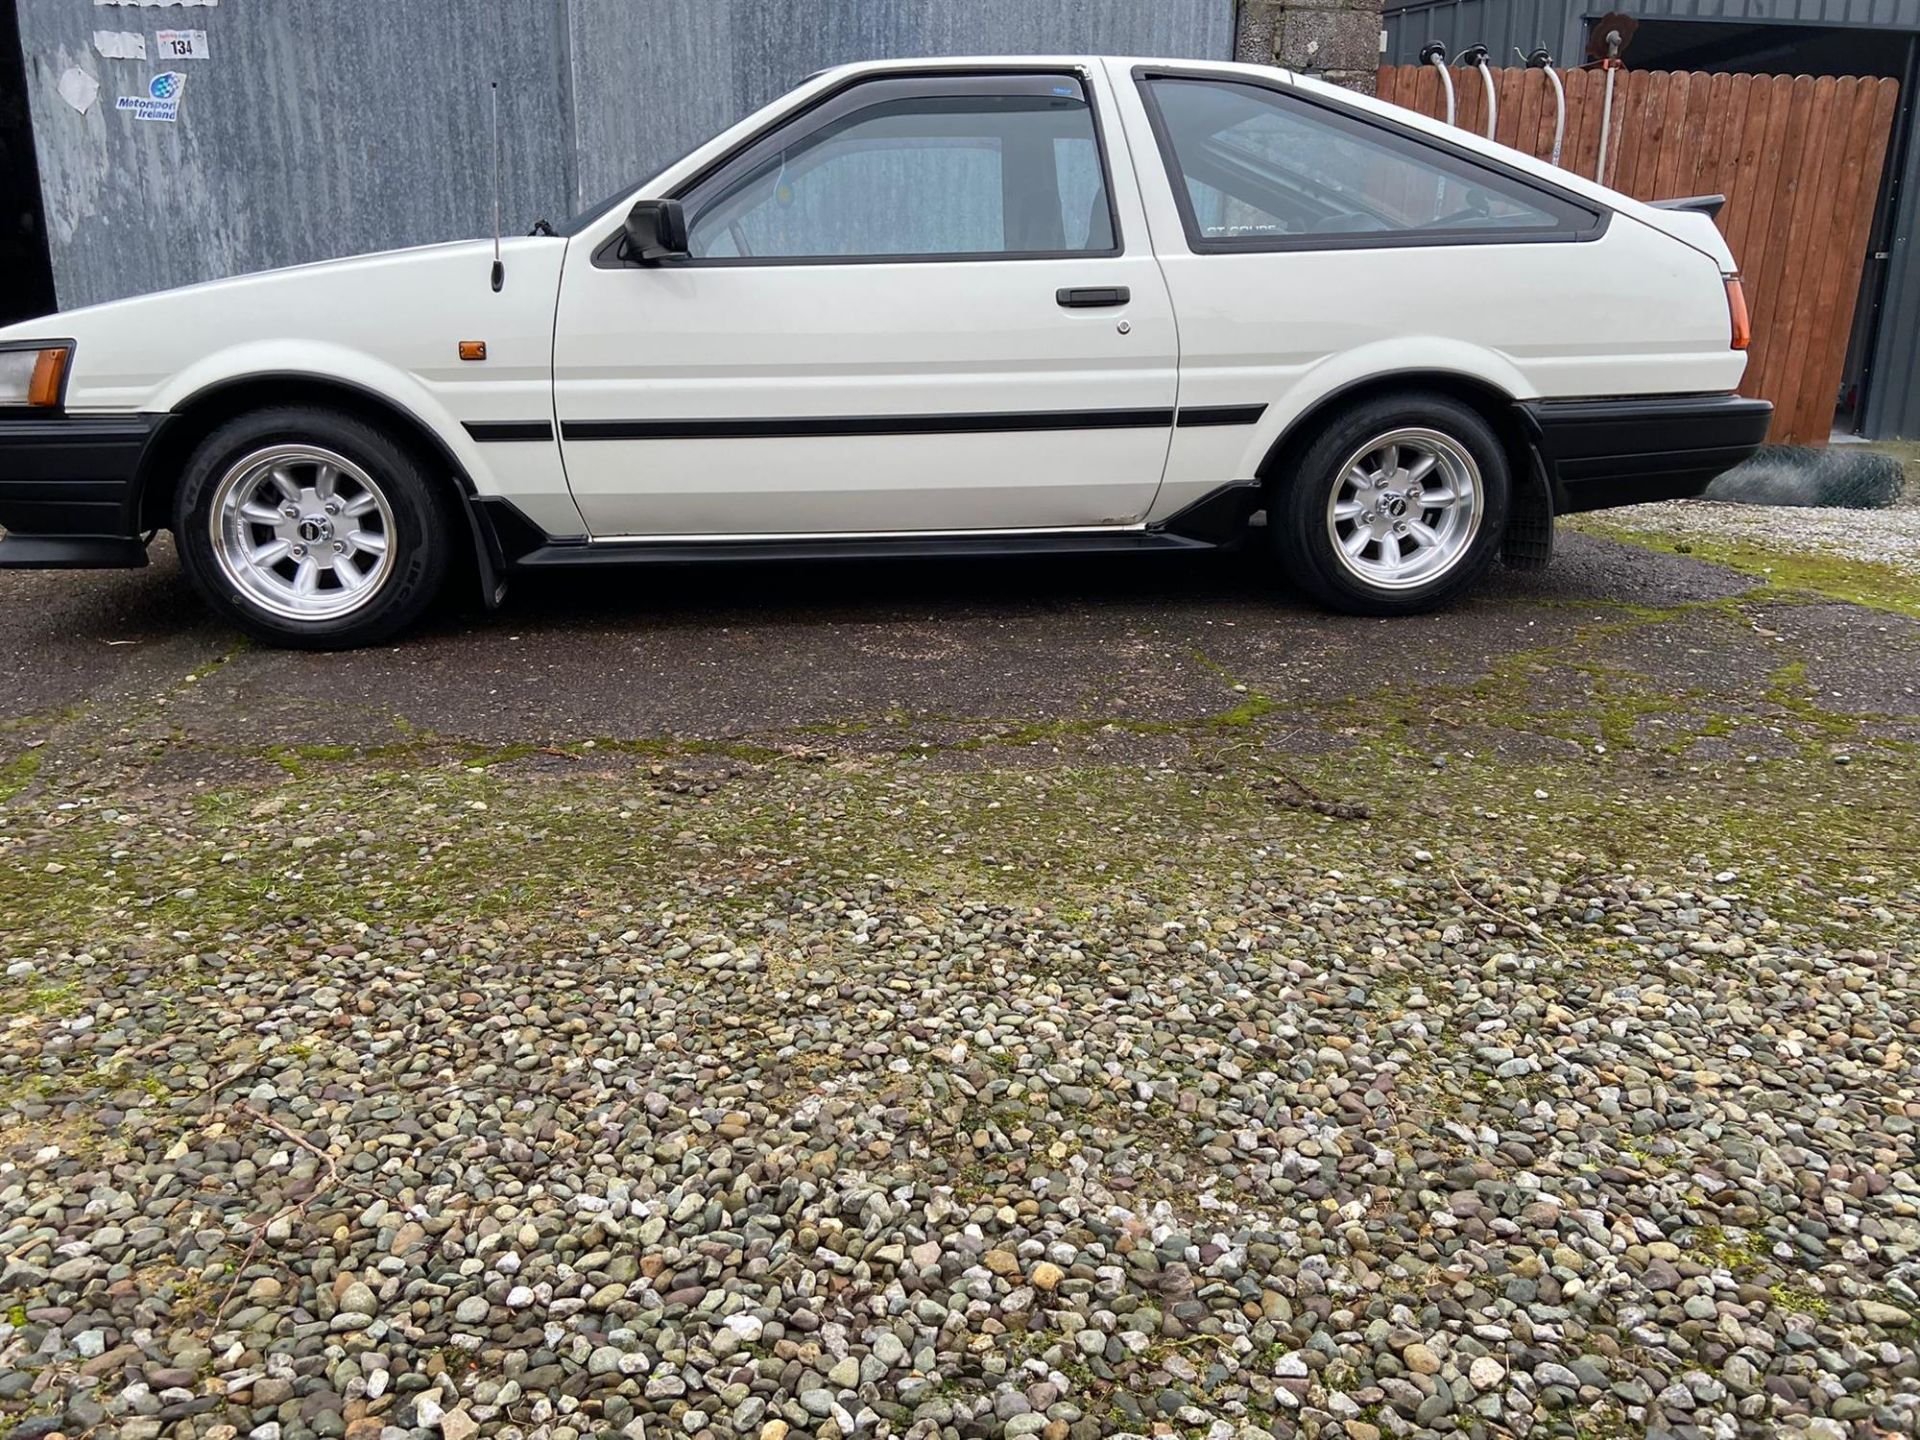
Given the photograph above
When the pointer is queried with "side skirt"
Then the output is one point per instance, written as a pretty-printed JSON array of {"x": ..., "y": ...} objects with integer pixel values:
[
  {"x": 581, "y": 554},
  {"x": 1217, "y": 518},
  {"x": 71, "y": 552}
]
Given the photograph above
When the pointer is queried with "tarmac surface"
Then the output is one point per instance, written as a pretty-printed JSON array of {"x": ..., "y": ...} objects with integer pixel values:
[{"x": 726, "y": 653}]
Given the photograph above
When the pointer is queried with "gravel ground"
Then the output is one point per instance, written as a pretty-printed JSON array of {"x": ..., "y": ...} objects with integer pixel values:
[
  {"x": 1524, "y": 1051},
  {"x": 1881, "y": 537}
]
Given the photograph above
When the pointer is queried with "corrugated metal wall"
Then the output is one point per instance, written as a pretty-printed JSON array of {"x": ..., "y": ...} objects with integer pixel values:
[
  {"x": 654, "y": 79},
  {"x": 1889, "y": 14},
  {"x": 1501, "y": 25},
  {"x": 320, "y": 128},
  {"x": 1560, "y": 25}
]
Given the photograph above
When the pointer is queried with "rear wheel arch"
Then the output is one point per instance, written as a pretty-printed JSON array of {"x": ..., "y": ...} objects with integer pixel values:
[
  {"x": 1496, "y": 407},
  {"x": 1532, "y": 508},
  {"x": 1395, "y": 505}
]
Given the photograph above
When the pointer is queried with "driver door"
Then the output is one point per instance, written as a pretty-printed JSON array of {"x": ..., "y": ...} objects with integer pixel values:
[{"x": 922, "y": 305}]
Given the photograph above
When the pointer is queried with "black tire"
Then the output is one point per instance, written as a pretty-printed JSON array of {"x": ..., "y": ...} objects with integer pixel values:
[
  {"x": 417, "y": 524},
  {"x": 1299, "y": 502}
]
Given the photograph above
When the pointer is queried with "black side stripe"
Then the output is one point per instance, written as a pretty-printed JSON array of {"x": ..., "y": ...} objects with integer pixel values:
[
  {"x": 1220, "y": 415},
  {"x": 491, "y": 430},
  {"x": 801, "y": 426},
  {"x": 816, "y": 425}
]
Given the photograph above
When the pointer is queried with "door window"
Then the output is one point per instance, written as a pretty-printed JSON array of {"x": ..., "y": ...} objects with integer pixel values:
[
  {"x": 1254, "y": 168},
  {"x": 944, "y": 167}
]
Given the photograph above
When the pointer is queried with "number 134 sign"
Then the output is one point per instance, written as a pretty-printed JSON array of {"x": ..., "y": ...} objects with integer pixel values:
[{"x": 181, "y": 44}]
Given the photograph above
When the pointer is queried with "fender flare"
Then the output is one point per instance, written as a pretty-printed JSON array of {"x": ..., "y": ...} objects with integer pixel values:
[
  {"x": 1528, "y": 541},
  {"x": 400, "y": 402}
]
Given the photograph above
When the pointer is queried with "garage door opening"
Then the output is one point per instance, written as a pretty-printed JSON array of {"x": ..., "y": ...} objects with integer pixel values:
[{"x": 24, "y": 259}]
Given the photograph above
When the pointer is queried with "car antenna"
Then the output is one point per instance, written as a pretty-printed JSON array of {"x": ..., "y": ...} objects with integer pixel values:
[{"x": 499, "y": 269}]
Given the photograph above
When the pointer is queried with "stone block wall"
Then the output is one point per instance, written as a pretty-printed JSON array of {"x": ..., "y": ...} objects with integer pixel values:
[{"x": 1338, "y": 40}]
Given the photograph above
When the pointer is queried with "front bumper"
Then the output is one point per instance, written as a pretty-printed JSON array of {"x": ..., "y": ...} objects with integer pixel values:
[
  {"x": 68, "y": 490},
  {"x": 1601, "y": 453}
]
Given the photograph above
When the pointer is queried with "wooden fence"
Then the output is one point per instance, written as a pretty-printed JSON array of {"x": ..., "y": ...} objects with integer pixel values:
[{"x": 1798, "y": 159}]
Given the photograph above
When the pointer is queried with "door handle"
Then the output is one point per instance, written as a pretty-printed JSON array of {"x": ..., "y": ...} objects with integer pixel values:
[{"x": 1096, "y": 298}]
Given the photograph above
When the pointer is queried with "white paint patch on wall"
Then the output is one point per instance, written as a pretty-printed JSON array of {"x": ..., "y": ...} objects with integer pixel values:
[
  {"x": 78, "y": 88},
  {"x": 120, "y": 44},
  {"x": 74, "y": 170}
]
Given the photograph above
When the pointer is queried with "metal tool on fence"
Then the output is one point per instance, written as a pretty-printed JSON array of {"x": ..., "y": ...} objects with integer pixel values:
[
  {"x": 1611, "y": 33},
  {"x": 1541, "y": 60},
  {"x": 1435, "y": 54},
  {"x": 1476, "y": 56}
]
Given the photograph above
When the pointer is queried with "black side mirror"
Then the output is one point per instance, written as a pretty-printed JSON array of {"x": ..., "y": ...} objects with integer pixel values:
[{"x": 656, "y": 231}]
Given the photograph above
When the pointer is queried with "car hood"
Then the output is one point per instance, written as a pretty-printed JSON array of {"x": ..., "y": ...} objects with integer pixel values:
[
  {"x": 255, "y": 283},
  {"x": 404, "y": 309}
]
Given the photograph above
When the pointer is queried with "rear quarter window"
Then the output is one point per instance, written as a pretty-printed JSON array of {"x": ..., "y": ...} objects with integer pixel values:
[{"x": 1254, "y": 168}]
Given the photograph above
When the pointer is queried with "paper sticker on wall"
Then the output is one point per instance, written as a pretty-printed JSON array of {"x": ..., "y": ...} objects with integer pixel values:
[
  {"x": 120, "y": 44},
  {"x": 161, "y": 102},
  {"x": 78, "y": 88},
  {"x": 181, "y": 44}
]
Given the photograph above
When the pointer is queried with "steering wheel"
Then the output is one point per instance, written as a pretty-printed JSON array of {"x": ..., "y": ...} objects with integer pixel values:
[{"x": 739, "y": 237}]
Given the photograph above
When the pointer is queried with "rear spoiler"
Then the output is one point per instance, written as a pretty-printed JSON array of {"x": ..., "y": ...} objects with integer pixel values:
[{"x": 1708, "y": 205}]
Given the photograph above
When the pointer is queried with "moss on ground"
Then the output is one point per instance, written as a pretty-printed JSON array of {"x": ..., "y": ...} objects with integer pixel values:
[
  {"x": 1793, "y": 573},
  {"x": 1565, "y": 761},
  {"x": 394, "y": 843},
  {"x": 17, "y": 774}
]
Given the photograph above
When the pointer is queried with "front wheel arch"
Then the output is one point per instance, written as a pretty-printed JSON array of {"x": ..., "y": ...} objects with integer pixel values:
[
  {"x": 253, "y": 536},
  {"x": 205, "y": 411}
]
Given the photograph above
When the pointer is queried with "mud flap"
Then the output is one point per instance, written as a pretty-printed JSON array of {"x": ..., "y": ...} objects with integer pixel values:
[{"x": 1528, "y": 543}]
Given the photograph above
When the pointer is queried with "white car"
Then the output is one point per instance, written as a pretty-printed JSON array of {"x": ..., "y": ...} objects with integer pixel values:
[{"x": 947, "y": 307}]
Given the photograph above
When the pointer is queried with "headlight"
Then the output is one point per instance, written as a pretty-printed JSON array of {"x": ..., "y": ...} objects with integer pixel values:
[{"x": 33, "y": 377}]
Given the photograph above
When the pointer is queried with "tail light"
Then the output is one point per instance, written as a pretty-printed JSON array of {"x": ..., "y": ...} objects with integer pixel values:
[{"x": 1737, "y": 313}]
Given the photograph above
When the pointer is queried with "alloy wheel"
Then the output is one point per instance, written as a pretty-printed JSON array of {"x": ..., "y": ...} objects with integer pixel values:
[
  {"x": 303, "y": 532},
  {"x": 1406, "y": 508}
]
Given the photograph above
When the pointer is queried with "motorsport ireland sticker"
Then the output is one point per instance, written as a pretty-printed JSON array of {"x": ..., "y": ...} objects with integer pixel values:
[{"x": 161, "y": 102}]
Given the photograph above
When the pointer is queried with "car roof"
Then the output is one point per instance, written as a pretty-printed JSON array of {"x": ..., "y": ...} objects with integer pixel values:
[{"x": 1035, "y": 62}]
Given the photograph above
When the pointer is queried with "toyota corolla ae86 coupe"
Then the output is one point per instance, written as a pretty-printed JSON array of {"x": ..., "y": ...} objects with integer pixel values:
[{"x": 1000, "y": 306}]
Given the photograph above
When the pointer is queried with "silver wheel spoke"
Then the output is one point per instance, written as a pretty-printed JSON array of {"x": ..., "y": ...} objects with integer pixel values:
[
  {"x": 276, "y": 539},
  {"x": 1406, "y": 508}
]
